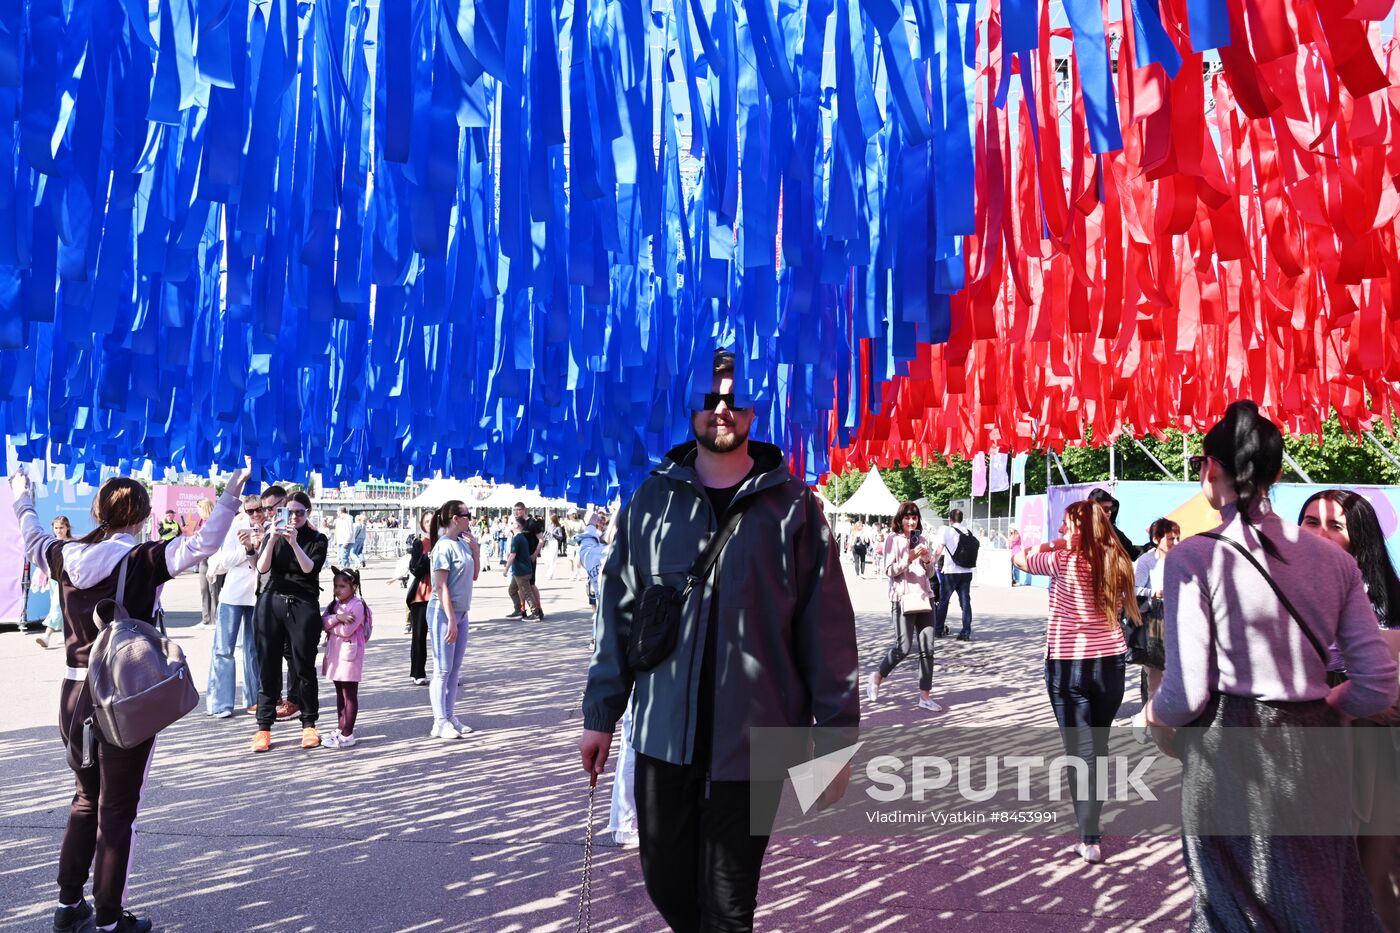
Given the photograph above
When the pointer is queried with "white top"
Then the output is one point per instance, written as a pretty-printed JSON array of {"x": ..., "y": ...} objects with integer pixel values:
[
  {"x": 950, "y": 544},
  {"x": 344, "y": 529},
  {"x": 1150, "y": 571},
  {"x": 240, "y": 573}
]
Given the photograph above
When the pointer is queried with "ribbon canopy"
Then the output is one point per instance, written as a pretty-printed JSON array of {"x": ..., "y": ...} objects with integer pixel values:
[{"x": 504, "y": 237}]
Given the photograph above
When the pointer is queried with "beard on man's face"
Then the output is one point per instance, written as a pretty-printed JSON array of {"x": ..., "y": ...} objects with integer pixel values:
[{"x": 706, "y": 428}]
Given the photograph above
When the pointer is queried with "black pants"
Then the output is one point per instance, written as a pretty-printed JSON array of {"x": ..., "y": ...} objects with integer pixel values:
[
  {"x": 948, "y": 584},
  {"x": 699, "y": 859},
  {"x": 102, "y": 827},
  {"x": 1086, "y": 694},
  {"x": 912, "y": 632},
  {"x": 859, "y": 558},
  {"x": 278, "y": 622},
  {"x": 418, "y": 647}
]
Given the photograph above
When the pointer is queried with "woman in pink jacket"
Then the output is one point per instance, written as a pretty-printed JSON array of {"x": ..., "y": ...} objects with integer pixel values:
[
  {"x": 907, "y": 560},
  {"x": 347, "y": 622}
]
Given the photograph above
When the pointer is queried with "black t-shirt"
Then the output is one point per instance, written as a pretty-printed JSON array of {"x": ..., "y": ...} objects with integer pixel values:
[
  {"x": 720, "y": 501},
  {"x": 286, "y": 577}
]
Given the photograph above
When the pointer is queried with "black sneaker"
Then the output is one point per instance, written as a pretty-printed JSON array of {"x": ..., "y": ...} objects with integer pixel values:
[
  {"x": 517, "y": 614},
  {"x": 73, "y": 919},
  {"x": 130, "y": 924},
  {"x": 964, "y": 636}
]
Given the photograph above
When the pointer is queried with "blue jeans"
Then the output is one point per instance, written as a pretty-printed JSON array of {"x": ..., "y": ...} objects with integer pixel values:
[
  {"x": 232, "y": 620},
  {"x": 948, "y": 584},
  {"x": 447, "y": 663},
  {"x": 346, "y": 551}
]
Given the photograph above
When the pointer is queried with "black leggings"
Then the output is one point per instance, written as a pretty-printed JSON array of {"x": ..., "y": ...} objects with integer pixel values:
[
  {"x": 912, "y": 632},
  {"x": 1086, "y": 694},
  {"x": 347, "y": 704},
  {"x": 418, "y": 646},
  {"x": 277, "y": 621}
]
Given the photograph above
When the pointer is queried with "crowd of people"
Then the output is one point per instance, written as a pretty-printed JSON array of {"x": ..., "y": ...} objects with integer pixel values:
[{"x": 760, "y": 631}]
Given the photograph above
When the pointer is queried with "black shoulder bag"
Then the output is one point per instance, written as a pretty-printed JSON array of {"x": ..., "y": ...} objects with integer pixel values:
[{"x": 656, "y": 625}]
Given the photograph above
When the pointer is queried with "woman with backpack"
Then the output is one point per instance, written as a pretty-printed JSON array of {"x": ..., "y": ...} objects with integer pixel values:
[
  {"x": 1250, "y": 610},
  {"x": 102, "y": 820}
]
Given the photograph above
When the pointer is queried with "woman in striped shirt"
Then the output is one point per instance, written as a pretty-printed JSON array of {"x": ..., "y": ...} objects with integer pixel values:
[{"x": 1091, "y": 583}]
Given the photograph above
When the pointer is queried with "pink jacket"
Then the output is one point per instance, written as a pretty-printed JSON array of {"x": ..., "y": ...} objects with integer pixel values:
[
  {"x": 905, "y": 575},
  {"x": 345, "y": 646}
]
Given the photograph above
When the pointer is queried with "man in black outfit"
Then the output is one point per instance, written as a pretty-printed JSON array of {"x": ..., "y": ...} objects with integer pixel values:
[{"x": 766, "y": 640}]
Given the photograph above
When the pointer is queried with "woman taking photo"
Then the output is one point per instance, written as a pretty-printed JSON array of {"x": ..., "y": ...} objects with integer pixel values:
[
  {"x": 1348, "y": 521},
  {"x": 1091, "y": 585},
  {"x": 101, "y": 827},
  {"x": 420, "y": 588},
  {"x": 906, "y": 561},
  {"x": 455, "y": 561},
  {"x": 289, "y": 613},
  {"x": 1248, "y": 616}
]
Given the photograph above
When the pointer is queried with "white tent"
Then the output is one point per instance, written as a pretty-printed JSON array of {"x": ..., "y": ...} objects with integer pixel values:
[
  {"x": 872, "y": 498},
  {"x": 479, "y": 495}
]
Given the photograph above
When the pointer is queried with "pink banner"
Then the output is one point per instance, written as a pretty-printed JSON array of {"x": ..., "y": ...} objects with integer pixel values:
[
  {"x": 11, "y": 559},
  {"x": 183, "y": 501}
]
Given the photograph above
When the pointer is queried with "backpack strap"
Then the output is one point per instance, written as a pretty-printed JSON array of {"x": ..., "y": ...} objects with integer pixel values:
[{"x": 1283, "y": 600}]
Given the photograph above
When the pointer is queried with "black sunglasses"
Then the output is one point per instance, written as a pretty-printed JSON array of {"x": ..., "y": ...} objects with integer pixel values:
[
  {"x": 296, "y": 511},
  {"x": 1197, "y": 462},
  {"x": 712, "y": 400}
]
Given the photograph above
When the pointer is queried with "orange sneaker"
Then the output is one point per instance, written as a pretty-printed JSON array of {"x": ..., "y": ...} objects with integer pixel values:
[
  {"x": 310, "y": 738},
  {"x": 262, "y": 740}
]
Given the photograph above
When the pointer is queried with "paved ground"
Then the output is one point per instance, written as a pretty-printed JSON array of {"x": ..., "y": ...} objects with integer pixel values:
[{"x": 485, "y": 834}]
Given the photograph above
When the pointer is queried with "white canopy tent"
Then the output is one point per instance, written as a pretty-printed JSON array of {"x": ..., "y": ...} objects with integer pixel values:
[
  {"x": 872, "y": 498},
  {"x": 479, "y": 495},
  {"x": 829, "y": 507}
]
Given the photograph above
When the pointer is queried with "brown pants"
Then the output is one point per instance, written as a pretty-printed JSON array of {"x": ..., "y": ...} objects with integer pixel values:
[
  {"x": 102, "y": 826},
  {"x": 523, "y": 593}
]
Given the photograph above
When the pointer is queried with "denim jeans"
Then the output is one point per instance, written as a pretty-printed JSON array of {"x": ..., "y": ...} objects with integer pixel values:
[
  {"x": 950, "y": 583},
  {"x": 233, "y": 622},
  {"x": 447, "y": 663}
]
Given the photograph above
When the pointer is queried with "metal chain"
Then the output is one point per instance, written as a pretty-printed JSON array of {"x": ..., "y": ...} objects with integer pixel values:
[{"x": 584, "y": 920}]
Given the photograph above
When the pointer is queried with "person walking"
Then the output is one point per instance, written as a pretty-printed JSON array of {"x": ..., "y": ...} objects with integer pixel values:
[
  {"x": 359, "y": 535},
  {"x": 1018, "y": 577},
  {"x": 454, "y": 557},
  {"x": 237, "y": 559},
  {"x": 521, "y": 571},
  {"x": 420, "y": 590},
  {"x": 101, "y": 830},
  {"x": 1250, "y": 608},
  {"x": 907, "y": 561},
  {"x": 955, "y": 577},
  {"x": 556, "y": 545},
  {"x": 209, "y": 584},
  {"x": 343, "y": 527},
  {"x": 1091, "y": 584},
  {"x": 348, "y": 623},
  {"x": 768, "y": 639},
  {"x": 860, "y": 548},
  {"x": 53, "y": 619},
  {"x": 1349, "y": 521},
  {"x": 288, "y": 612},
  {"x": 591, "y": 551}
]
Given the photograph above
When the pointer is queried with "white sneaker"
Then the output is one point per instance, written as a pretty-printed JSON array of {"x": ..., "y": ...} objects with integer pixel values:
[
  {"x": 872, "y": 687},
  {"x": 460, "y": 727},
  {"x": 1089, "y": 852},
  {"x": 222, "y": 714},
  {"x": 928, "y": 704},
  {"x": 444, "y": 730},
  {"x": 345, "y": 741},
  {"x": 627, "y": 840},
  {"x": 331, "y": 741}
]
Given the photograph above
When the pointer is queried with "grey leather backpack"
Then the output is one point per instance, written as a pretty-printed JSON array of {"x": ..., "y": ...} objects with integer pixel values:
[{"x": 138, "y": 679}]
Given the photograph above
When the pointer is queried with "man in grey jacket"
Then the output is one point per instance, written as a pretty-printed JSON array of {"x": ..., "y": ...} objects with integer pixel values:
[{"x": 768, "y": 640}]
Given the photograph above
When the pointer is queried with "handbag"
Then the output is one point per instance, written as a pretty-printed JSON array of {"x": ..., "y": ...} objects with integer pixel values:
[
  {"x": 913, "y": 601},
  {"x": 656, "y": 625},
  {"x": 1146, "y": 644}
]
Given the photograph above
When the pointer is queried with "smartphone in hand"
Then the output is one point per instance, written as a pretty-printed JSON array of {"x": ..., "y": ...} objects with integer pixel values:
[{"x": 284, "y": 518}]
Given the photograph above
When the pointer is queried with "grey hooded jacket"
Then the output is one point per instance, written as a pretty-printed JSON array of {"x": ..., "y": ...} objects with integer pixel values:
[{"x": 785, "y": 646}]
